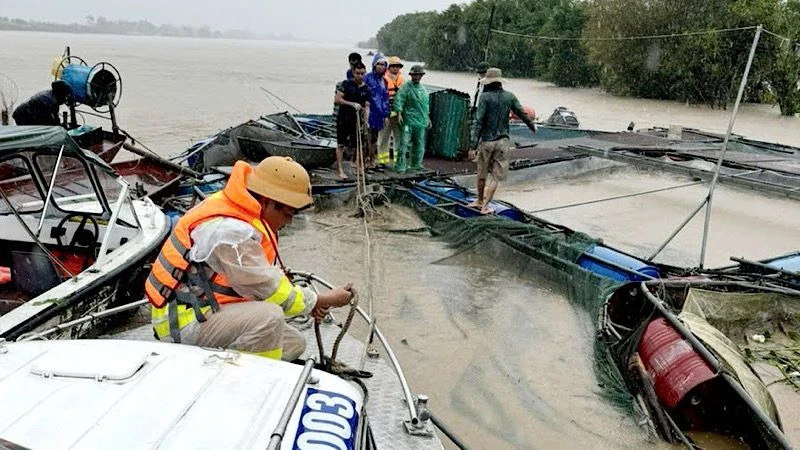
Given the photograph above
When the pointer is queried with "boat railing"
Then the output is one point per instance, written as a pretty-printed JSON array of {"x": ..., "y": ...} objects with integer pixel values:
[
  {"x": 80, "y": 321},
  {"x": 50, "y": 189},
  {"x": 121, "y": 200},
  {"x": 417, "y": 409},
  {"x": 280, "y": 429}
]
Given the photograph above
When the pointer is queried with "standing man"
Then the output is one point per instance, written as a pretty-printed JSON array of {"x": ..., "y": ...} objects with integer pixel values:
[
  {"x": 412, "y": 109},
  {"x": 353, "y": 98},
  {"x": 489, "y": 133},
  {"x": 379, "y": 104},
  {"x": 394, "y": 79},
  {"x": 480, "y": 69},
  {"x": 353, "y": 58},
  {"x": 219, "y": 280},
  {"x": 42, "y": 108}
]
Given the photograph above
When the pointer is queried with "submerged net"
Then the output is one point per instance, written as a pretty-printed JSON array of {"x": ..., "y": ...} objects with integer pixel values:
[
  {"x": 547, "y": 252},
  {"x": 764, "y": 323}
]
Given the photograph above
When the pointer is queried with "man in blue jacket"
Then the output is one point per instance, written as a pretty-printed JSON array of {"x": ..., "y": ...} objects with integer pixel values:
[
  {"x": 42, "y": 108},
  {"x": 378, "y": 104}
]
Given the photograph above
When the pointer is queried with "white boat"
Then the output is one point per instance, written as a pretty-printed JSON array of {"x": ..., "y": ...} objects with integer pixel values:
[
  {"x": 103, "y": 394},
  {"x": 76, "y": 243},
  {"x": 130, "y": 392}
]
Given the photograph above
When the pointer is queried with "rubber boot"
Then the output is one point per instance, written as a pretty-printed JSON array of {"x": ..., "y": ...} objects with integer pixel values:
[
  {"x": 417, "y": 148},
  {"x": 402, "y": 149}
]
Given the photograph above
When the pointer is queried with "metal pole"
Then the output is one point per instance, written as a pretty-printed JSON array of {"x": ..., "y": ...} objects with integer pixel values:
[
  {"x": 678, "y": 230},
  {"x": 82, "y": 320},
  {"x": 277, "y": 436},
  {"x": 736, "y": 105},
  {"x": 488, "y": 34},
  {"x": 123, "y": 197},
  {"x": 49, "y": 191},
  {"x": 281, "y": 100}
]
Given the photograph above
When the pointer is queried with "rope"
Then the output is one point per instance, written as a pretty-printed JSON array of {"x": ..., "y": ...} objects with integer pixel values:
[
  {"x": 618, "y": 197},
  {"x": 367, "y": 210},
  {"x": 783, "y": 38},
  {"x": 345, "y": 327},
  {"x": 623, "y": 38},
  {"x": 332, "y": 365}
]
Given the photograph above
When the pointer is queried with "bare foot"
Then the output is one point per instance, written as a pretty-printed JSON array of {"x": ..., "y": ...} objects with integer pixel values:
[
  {"x": 487, "y": 210},
  {"x": 475, "y": 204},
  {"x": 342, "y": 176}
]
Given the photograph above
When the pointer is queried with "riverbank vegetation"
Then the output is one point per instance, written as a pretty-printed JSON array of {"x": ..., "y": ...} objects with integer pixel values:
[
  {"x": 660, "y": 49},
  {"x": 102, "y": 25}
]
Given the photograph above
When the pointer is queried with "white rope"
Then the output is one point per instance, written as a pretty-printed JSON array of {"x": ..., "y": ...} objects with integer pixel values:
[
  {"x": 617, "y": 197},
  {"x": 622, "y": 38},
  {"x": 781, "y": 37},
  {"x": 366, "y": 208}
]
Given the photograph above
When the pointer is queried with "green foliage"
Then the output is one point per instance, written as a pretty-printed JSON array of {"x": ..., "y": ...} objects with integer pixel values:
[
  {"x": 782, "y": 72},
  {"x": 700, "y": 68},
  {"x": 405, "y": 35},
  {"x": 455, "y": 39},
  {"x": 703, "y": 68},
  {"x": 102, "y": 25}
]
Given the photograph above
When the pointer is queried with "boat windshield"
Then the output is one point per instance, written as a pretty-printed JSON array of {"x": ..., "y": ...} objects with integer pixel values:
[
  {"x": 73, "y": 189},
  {"x": 18, "y": 186}
]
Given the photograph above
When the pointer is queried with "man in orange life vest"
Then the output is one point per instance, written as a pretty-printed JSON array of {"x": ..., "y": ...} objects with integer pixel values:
[
  {"x": 219, "y": 280},
  {"x": 394, "y": 79}
]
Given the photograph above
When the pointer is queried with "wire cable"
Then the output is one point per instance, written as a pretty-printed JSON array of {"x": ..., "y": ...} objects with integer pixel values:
[{"x": 623, "y": 38}]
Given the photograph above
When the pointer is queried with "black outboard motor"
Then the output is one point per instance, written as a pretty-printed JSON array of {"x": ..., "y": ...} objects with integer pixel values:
[{"x": 562, "y": 117}]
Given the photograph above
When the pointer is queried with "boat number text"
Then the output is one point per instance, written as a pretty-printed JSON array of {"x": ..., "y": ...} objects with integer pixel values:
[{"x": 328, "y": 422}]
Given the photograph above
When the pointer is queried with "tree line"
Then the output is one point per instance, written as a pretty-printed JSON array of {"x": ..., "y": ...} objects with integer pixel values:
[
  {"x": 102, "y": 25},
  {"x": 696, "y": 51}
]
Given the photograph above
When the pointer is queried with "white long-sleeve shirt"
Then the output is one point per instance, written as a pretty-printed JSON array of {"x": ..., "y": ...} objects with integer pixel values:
[{"x": 232, "y": 248}]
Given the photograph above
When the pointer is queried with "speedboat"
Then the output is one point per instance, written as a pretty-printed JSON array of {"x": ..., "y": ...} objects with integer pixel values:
[
  {"x": 75, "y": 241},
  {"x": 128, "y": 391}
]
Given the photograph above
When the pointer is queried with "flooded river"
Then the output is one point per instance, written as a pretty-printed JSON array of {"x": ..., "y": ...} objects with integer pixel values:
[{"x": 505, "y": 357}]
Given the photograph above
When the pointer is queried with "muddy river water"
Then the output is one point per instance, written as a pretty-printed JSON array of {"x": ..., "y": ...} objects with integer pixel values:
[{"x": 504, "y": 356}]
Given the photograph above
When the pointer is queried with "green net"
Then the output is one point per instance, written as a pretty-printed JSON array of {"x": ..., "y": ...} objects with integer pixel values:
[{"x": 547, "y": 252}]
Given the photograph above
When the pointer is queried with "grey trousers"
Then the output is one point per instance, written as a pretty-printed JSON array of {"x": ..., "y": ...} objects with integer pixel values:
[{"x": 253, "y": 327}]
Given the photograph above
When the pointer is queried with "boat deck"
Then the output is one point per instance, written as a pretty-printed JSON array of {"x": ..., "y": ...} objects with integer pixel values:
[{"x": 386, "y": 406}]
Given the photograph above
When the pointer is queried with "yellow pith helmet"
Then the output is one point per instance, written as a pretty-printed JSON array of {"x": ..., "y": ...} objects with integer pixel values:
[{"x": 281, "y": 179}]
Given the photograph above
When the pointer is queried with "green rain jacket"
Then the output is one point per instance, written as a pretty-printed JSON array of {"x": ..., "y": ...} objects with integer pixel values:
[{"x": 413, "y": 102}]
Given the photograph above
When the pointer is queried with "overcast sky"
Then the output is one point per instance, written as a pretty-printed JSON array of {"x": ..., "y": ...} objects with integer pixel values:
[{"x": 342, "y": 21}]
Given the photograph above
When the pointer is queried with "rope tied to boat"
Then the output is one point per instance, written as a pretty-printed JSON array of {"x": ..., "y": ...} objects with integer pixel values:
[{"x": 331, "y": 364}]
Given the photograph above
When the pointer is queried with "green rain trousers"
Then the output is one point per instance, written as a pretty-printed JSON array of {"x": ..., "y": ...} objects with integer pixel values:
[
  {"x": 412, "y": 102},
  {"x": 412, "y": 141}
]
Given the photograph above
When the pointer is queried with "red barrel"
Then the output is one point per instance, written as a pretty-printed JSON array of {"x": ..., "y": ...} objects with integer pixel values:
[
  {"x": 676, "y": 368},
  {"x": 530, "y": 112}
]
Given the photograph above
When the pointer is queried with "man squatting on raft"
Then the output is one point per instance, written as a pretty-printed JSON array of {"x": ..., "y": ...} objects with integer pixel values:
[{"x": 219, "y": 281}]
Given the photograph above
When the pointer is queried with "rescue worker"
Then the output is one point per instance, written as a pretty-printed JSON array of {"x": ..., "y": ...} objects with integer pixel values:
[
  {"x": 42, "y": 108},
  {"x": 394, "y": 79},
  {"x": 489, "y": 133},
  {"x": 412, "y": 108},
  {"x": 219, "y": 280},
  {"x": 378, "y": 105}
]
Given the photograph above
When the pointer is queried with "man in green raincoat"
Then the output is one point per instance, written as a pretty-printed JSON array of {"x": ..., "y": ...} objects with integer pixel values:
[{"x": 412, "y": 106}]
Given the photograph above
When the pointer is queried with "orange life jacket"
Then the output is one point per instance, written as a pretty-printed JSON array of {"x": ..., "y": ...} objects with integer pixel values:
[
  {"x": 393, "y": 85},
  {"x": 171, "y": 268}
]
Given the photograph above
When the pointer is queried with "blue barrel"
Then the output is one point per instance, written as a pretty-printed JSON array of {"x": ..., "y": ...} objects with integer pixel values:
[
  {"x": 790, "y": 263},
  {"x": 77, "y": 77},
  {"x": 613, "y": 264}
]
